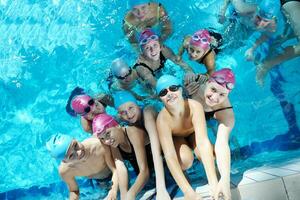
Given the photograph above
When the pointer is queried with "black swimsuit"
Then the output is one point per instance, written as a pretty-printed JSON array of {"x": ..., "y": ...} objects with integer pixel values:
[
  {"x": 209, "y": 115},
  {"x": 130, "y": 156},
  {"x": 162, "y": 59}
]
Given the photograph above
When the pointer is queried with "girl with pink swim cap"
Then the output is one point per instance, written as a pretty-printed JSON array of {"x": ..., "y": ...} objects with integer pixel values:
[
  {"x": 87, "y": 107},
  {"x": 213, "y": 95},
  {"x": 202, "y": 48},
  {"x": 151, "y": 62}
]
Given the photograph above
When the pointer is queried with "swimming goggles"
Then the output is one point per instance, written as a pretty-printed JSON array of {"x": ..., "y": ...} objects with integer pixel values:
[
  {"x": 148, "y": 39},
  {"x": 221, "y": 81},
  {"x": 126, "y": 75},
  {"x": 88, "y": 108},
  {"x": 172, "y": 88},
  {"x": 197, "y": 38}
]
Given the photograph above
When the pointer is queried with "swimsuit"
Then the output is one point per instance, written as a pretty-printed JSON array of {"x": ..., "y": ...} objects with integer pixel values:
[
  {"x": 162, "y": 59},
  {"x": 130, "y": 156},
  {"x": 209, "y": 115}
]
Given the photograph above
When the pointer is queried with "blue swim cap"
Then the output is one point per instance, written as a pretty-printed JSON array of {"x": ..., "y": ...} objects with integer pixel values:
[
  {"x": 166, "y": 81},
  {"x": 269, "y": 9},
  {"x": 122, "y": 97},
  {"x": 119, "y": 67},
  {"x": 132, "y": 3},
  {"x": 58, "y": 145}
]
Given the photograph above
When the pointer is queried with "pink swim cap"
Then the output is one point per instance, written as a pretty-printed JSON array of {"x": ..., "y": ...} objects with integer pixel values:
[
  {"x": 102, "y": 122},
  {"x": 146, "y": 36},
  {"x": 201, "y": 39},
  {"x": 80, "y": 102},
  {"x": 224, "y": 77}
]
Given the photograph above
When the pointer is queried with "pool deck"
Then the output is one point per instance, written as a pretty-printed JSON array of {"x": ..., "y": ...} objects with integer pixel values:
[{"x": 275, "y": 182}]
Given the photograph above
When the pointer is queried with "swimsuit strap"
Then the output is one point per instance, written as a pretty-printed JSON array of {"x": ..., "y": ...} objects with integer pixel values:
[
  {"x": 210, "y": 114},
  {"x": 220, "y": 109},
  {"x": 201, "y": 59},
  {"x": 144, "y": 65},
  {"x": 131, "y": 146},
  {"x": 162, "y": 59}
]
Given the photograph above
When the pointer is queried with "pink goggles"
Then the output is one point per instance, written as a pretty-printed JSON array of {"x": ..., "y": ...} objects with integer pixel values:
[
  {"x": 148, "y": 39},
  {"x": 221, "y": 81}
]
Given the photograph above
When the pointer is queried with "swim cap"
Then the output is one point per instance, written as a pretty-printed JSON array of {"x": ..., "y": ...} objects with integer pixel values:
[
  {"x": 119, "y": 67},
  {"x": 102, "y": 122},
  {"x": 58, "y": 145},
  {"x": 132, "y": 3},
  {"x": 122, "y": 97},
  {"x": 201, "y": 39},
  {"x": 166, "y": 81},
  {"x": 268, "y": 9},
  {"x": 224, "y": 77},
  {"x": 80, "y": 102},
  {"x": 147, "y": 35}
]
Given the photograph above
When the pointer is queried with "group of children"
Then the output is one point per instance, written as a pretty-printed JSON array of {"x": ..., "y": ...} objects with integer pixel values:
[{"x": 149, "y": 137}]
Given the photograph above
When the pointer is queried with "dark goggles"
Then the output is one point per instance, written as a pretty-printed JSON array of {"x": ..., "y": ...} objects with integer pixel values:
[
  {"x": 221, "y": 81},
  {"x": 126, "y": 75},
  {"x": 88, "y": 108},
  {"x": 172, "y": 88}
]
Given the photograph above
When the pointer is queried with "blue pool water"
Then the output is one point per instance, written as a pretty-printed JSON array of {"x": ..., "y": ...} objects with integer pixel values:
[{"x": 47, "y": 48}]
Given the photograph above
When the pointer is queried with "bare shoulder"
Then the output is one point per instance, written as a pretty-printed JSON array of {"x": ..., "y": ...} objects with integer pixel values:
[
  {"x": 194, "y": 105},
  {"x": 163, "y": 117},
  {"x": 65, "y": 170}
]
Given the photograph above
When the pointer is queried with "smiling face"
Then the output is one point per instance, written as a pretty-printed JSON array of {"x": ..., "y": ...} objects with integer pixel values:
[
  {"x": 75, "y": 152},
  {"x": 96, "y": 109},
  {"x": 130, "y": 112},
  {"x": 172, "y": 97},
  {"x": 151, "y": 50},
  {"x": 140, "y": 11},
  {"x": 112, "y": 136},
  {"x": 195, "y": 53},
  {"x": 215, "y": 94}
]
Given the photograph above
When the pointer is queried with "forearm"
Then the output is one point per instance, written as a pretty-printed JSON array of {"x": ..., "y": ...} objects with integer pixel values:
[
  {"x": 185, "y": 66},
  {"x": 157, "y": 160},
  {"x": 166, "y": 30},
  {"x": 123, "y": 182},
  {"x": 206, "y": 152},
  {"x": 259, "y": 41},
  {"x": 222, "y": 151},
  {"x": 224, "y": 7},
  {"x": 140, "y": 181},
  {"x": 74, "y": 195},
  {"x": 288, "y": 53},
  {"x": 178, "y": 175},
  {"x": 181, "y": 50},
  {"x": 114, "y": 180}
]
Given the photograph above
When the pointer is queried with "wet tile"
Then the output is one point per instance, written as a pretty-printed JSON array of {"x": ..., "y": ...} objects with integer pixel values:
[
  {"x": 279, "y": 172},
  {"x": 293, "y": 167},
  {"x": 292, "y": 185},
  {"x": 246, "y": 181},
  {"x": 259, "y": 176},
  {"x": 267, "y": 190}
]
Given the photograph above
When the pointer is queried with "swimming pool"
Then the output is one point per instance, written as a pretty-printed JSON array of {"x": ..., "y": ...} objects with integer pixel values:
[{"x": 50, "y": 47}]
